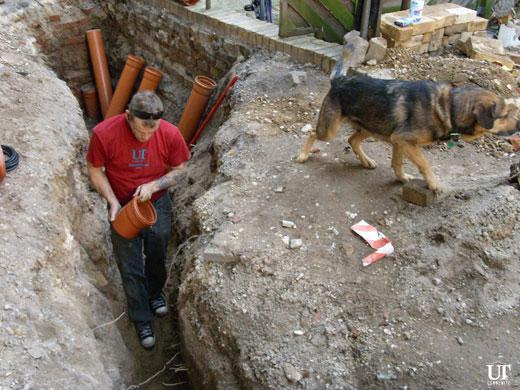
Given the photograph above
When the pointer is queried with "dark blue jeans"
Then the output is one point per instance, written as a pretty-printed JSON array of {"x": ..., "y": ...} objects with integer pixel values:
[{"x": 144, "y": 276}]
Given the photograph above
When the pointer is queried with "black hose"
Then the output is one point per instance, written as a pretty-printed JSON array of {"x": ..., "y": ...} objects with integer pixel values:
[{"x": 11, "y": 158}]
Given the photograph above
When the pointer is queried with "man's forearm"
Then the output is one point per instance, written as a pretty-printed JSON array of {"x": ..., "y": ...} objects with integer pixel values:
[
  {"x": 170, "y": 178},
  {"x": 101, "y": 184}
]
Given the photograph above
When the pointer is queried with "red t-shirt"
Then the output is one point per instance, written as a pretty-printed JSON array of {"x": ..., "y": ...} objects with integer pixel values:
[{"x": 129, "y": 163}]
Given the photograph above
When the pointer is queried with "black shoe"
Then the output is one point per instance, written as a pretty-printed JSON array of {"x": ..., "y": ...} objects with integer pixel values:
[
  {"x": 145, "y": 334},
  {"x": 159, "y": 306}
]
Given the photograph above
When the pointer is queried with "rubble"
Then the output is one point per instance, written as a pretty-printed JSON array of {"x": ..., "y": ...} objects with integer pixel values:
[
  {"x": 376, "y": 50},
  {"x": 487, "y": 49}
]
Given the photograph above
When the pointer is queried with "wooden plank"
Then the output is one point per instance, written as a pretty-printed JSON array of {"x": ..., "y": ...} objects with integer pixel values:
[
  {"x": 340, "y": 12},
  {"x": 315, "y": 19}
]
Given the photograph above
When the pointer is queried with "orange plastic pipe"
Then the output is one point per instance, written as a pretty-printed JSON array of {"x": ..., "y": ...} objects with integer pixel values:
[
  {"x": 3, "y": 170},
  {"x": 151, "y": 79},
  {"x": 90, "y": 99},
  {"x": 200, "y": 93},
  {"x": 212, "y": 111},
  {"x": 125, "y": 85},
  {"x": 98, "y": 58}
]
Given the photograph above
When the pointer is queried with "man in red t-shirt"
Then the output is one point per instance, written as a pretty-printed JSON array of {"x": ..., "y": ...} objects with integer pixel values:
[{"x": 137, "y": 154}]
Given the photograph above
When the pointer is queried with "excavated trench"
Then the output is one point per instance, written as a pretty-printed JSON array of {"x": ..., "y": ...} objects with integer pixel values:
[
  {"x": 136, "y": 28},
  {"x": 252, "y": 312}
]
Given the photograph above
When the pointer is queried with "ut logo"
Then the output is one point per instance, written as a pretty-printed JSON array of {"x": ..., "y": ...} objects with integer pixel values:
[
  {"x": 138, "y": 158},
  {"x": 138, "y": 154},
  {"x": 498, "y": 372}
]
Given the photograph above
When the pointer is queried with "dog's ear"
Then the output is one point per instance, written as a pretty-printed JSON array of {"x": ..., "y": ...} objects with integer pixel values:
[{"x": 485, "y": 114}]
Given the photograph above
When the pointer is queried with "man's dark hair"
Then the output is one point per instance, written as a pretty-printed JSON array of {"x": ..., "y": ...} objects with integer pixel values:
[{"x": 145, "y": 102}]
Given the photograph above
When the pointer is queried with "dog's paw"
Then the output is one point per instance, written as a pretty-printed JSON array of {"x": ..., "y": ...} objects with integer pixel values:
[
  {"x": 405, "y": 178},
  {"x": 302, "y": 157},
  {"x": 369, "y": 163},
  {"x": 436, "y": 188}
]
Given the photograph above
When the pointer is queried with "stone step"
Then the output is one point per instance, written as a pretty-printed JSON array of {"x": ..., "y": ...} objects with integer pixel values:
[{"x": 303, "y": 48}]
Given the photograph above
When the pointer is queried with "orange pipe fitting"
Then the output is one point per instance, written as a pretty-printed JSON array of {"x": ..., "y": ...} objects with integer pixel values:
[
  {"x": 200, "y": 93},
  {"x": 3, "y": 170},
  {"x": 151, "y": 79},
  {"x": 88, "y": 91},
  {"x": 133, "y": 217},
  {"x": 98, "y": 58},
  {"x": 125, "y": 85}
]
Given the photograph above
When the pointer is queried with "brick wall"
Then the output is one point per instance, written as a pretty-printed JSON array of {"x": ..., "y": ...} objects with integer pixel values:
[
  {"x": 179, "y": 42},
  {"x": 59, "y": 29}
]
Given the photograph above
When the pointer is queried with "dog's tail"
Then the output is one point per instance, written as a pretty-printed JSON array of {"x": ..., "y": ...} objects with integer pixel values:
[
  {"x": 329, "y": 119},
  {"x": 353, "y": 55}
]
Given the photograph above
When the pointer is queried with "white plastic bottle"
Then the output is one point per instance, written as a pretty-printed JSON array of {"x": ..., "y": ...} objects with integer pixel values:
[{"x": 416, "y": 9}]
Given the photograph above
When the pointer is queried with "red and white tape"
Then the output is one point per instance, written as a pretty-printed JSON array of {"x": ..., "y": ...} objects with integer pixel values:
[{"x": 376, "y": 240}]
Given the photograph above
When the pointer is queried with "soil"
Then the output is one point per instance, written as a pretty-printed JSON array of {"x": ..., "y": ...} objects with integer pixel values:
[
  {"x": 51, "y": 236},
  {"x": 253, "y": 313}
]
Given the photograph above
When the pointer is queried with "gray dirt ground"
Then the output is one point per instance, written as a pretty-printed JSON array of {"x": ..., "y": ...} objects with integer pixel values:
[{"x": 432, "y": 315}]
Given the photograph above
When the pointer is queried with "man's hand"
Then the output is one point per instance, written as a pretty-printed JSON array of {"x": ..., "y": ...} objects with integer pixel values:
[
  {"x": 145, "y": 191},
  {"x": 113, "y": 210},
  {"x": 101, "y": 184}
]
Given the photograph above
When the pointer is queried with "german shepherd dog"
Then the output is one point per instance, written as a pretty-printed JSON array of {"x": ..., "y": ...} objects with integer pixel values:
[{"x": 409, "y": 115}]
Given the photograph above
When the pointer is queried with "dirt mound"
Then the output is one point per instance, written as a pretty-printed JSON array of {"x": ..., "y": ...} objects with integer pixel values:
[
  {"x": 255, "y": 313},
  {"x": 51, "y": 234}
]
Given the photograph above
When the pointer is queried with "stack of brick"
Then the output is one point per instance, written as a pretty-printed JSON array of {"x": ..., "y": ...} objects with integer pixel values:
[{"x": 441, "y": 25}]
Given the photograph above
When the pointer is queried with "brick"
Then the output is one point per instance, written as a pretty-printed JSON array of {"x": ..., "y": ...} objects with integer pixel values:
[
  {"x": 515, "y": 57},
  {"x": 456, "y": 29},
  {"x": 440, "y": 11},
  {"x": 376, "y": 49},
  {"x": 328, "y": 64},
  {"x": 454, "y": 38},
  {"x": 438, "y": 34},
  {"x": 427, "y": 37},
  {"x": 424, "y": 48},
  {"x": 413, "y": 42},
  {"x": 219, "y": 254},
  {"x": 390, "y": 30},
  {"x": 478, "y": 24},
  {"x": 272, "y": 44},
  {"x": 75, "y": 40},
  {"x": 435, "y": 44},
  {"x": 417, "y": 192},
  {"x": 443, "y": 19},
  {"x": 462, "y": 15},
  {"x": 78, "y": 26},
  {"x": 426, "y": 24},
  {"x": 54, "y": 18},
  {"x": 318, "y": 59}
]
